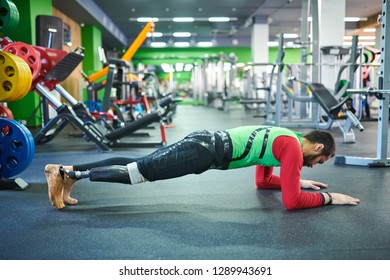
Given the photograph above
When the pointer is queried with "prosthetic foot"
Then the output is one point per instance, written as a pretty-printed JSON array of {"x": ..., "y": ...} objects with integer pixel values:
[
  {"x": 55, "y": 185},
  {"x": 68, "y": 186},
  {"x": 59, "y": 186}
]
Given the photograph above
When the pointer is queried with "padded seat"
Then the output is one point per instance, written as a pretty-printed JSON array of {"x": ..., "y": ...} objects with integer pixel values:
[
  {"x": 64, "y": 67},
  {"x": 327, "y": 100}
]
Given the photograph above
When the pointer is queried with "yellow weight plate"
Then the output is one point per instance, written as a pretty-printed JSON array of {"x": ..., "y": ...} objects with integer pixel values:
[
  {"x": 15, "y": 77},
  {"x": 25, "y": 79},
  {"x": 6, "y": 80}
]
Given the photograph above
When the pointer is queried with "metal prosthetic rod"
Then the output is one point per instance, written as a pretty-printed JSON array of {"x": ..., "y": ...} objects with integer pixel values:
[{"x": 77, "y": 174}]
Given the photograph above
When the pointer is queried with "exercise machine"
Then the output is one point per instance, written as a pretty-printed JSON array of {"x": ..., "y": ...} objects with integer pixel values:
[
  {"x": 54, "y": 66},
  {"x": 326, "y": 106},
  {"x": 383, "y": 94},
  {"x": 340, "y": 111}
]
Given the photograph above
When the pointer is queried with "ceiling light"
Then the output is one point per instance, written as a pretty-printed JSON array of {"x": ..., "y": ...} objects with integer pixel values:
[
  {"x": 347, "y": 19},
  {"x": 183, "y": 19},
  {"x": 290, "y": 35},
  {"x": 181, "y": 34},
  {"x": 205, "y": 44},
  {"x": 158, "y": 44},
  {"x": 181, "y": 44},
  {"x": 360, "y": 38},
  {"x": 367, "y": 37},
  {"x": 354, "y": 19},
  {"x": 368, "y": 30},
  {"x": 219, "y": 19},
  {"x": 369, "y": 43},
  {"x": 154, "y": 34},
  {"x": 147, "y": 19}
]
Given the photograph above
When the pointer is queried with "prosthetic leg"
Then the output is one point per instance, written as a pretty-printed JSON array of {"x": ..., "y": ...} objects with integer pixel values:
[{"x": 112, "y": 174}]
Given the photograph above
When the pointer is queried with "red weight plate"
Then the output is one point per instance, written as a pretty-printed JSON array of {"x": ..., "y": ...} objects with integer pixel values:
[
  {"x": 28, "y": 53},
  {"x": 46, "y": 64},
  {"x": 5, "y": 112}
]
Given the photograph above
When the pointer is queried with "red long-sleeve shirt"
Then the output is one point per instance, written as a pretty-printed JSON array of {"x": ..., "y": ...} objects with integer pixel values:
[{"x": 288, "y": 152}]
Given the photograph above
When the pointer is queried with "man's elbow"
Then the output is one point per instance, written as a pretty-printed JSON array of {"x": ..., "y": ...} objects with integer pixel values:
[
  {"x": 290, "y": 205},
  {"x": 261, "y": 184}
]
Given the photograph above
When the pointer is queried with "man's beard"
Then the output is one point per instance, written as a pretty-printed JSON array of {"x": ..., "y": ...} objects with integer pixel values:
[{"x": 309, "y": 159}]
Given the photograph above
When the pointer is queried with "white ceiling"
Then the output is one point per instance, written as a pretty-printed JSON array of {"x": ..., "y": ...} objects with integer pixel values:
[{"x": 114, "y": 17}]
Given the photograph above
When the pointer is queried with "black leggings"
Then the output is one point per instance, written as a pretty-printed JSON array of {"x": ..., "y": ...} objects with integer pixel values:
[
  {"x": 105, "y": 162},
  {"x": 198, "y": 152}
]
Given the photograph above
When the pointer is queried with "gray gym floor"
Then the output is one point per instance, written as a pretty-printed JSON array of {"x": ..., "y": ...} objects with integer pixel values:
[{"x": 213, "y": 216}]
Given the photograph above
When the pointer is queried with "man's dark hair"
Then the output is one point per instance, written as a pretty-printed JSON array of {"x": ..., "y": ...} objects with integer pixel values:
[{"x": 323, "y": 137}]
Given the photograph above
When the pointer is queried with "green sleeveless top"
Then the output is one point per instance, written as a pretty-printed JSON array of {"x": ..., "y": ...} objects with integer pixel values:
[{"x": 252, "y": 145}]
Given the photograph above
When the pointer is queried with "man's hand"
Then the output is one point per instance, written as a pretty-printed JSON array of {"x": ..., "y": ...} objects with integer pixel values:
[
  {"x": 339, "y": 198},
  {"x": 309, "y": 184}
]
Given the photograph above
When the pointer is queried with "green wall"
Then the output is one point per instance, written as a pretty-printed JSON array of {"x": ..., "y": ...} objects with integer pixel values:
[
  {"x": 156, "y": 56},
  {"x": 91, "y": 40},
  {"x": 186, "y": 55}
]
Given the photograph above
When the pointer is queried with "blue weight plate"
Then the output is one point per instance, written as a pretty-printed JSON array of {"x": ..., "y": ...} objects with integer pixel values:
[
  {"x": 17, "y": 151},
  {"x": 12, "y": 142},
  {"x": 30, "y": 144},
  {"x": 30, "y": 147},
  {"x": 16, "y": 148}
]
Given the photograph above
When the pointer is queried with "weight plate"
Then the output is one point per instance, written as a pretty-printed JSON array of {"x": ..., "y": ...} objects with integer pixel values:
[
  {"x": 31, "y": 146},
  {"x": 30, "y": 151},
  {"x": 17, "y": 148},
  {"x": 9, "y": 17},
  {"x": 7, "y": 76},
  {"x": 5, "y": 112},
  {"x": 14, "y": 18},
  {"x": 25, "y": 79},
  {"x": 28, "y": 53},
  {"x": 18, "y": 82},
  {"x": 46, "y": 64},
  {"x": 15, "y": 77}
]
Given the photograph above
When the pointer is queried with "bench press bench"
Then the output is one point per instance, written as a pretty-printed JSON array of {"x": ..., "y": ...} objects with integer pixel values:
[{"x": 336, "y": 110}]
